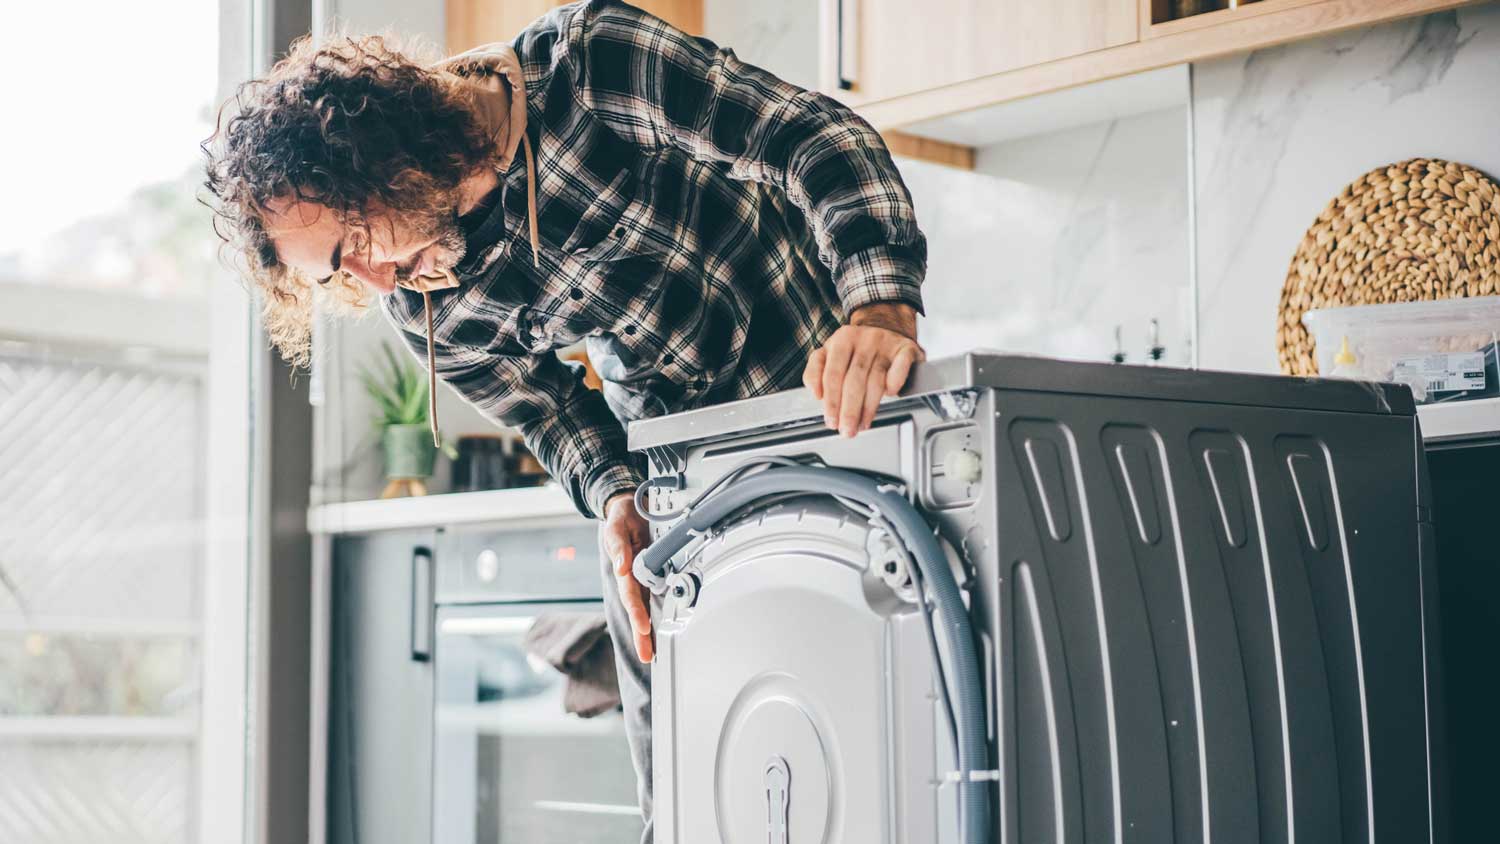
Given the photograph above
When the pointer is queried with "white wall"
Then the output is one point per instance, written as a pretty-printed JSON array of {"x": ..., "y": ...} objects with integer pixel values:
[
  {"x": 778, "y": 35},
  {"x": 1282, "y": 131},
  {"x": 422, "y": 18}
]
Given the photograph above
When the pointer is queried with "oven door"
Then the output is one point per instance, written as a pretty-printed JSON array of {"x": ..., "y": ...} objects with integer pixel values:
[{"x": 509, "y": 765}]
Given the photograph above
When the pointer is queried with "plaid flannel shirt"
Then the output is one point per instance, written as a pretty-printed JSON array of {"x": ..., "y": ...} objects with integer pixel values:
[{"x": 704, "y": 227}]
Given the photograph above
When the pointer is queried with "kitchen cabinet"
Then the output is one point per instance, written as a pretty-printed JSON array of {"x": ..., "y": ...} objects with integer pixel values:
[
  {"x": 381, "y": 689},
  {"x": 475, "y": 22},
  {"x": 888, "y": 48},
  {"x": 900, "y": 62}
]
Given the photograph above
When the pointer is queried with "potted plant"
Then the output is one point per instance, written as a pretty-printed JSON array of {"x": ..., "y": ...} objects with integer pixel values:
[{"x": 400, "y": 394}]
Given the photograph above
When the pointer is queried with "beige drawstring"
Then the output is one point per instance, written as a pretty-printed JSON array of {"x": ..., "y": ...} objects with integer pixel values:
[
  {"x": 531, "y": 199},
  {"x": 431, "y": 372},
  {"x": 447, "y": 280},
  {"x": 425, "y": 285}
]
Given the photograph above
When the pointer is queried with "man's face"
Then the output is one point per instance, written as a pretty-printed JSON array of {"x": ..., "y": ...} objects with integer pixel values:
[{"x": 312, "y": 240}]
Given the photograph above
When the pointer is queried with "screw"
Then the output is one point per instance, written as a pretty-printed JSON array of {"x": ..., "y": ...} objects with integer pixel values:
[
  {"x": 679, "y": 591},
  {"x": 890, "y": 568}
]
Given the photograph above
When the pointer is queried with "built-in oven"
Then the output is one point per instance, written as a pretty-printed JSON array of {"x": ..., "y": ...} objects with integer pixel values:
[{"x": 510, "y": 766}]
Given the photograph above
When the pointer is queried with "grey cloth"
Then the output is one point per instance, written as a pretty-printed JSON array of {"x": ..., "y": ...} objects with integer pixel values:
[
  {"x": 635, "y": 690},
  {"x": 575, "y": 644}
]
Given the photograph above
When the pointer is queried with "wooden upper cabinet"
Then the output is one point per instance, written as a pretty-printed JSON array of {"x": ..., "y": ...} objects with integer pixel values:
[
  {"x": 873, "y": 50},
  {"x": 475, "y": 22}
]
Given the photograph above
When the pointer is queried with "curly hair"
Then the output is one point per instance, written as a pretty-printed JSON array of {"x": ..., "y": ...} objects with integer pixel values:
[{"x": 354, "y": 125}]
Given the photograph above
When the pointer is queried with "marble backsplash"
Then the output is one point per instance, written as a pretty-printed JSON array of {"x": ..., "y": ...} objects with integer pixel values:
[
  {"x": 1280, "y": 132},
  {"x": 1055, "y": 240}
]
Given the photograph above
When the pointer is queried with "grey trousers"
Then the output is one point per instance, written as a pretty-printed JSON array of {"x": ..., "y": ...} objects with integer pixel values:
[{"x": 635, "y": 689}]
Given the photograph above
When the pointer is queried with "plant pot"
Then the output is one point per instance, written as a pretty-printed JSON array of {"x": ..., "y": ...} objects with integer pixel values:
[{"x": 409, "y": 452}]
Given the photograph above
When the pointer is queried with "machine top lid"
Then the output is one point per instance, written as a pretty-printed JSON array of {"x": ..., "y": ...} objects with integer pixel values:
[{"x": 990, "y": 370}]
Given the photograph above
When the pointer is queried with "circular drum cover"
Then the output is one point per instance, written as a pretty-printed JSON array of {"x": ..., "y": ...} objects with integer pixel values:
[
  {"x": 771, "y": 720},
  {"x": 783, "y": 657}
]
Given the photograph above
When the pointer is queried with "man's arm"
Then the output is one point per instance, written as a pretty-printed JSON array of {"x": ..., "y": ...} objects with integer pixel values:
[
  {"x": 571, "y": 431},
  {"x": 565, "y": 424},
  {"x": 643, "y": 76}
]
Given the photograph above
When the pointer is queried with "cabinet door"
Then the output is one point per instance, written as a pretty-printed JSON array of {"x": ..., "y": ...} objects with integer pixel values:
[
  {"x": 381, "y": 690},
  {"x": 878, "y": 49},
  {"x": 475, "y": 22}
]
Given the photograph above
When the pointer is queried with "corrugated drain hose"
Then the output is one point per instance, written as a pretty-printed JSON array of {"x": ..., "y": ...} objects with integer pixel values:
[{"x": 966, "y": 672}]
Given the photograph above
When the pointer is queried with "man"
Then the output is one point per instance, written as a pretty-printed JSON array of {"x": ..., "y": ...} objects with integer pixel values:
[{"x": 708, "y": 230}]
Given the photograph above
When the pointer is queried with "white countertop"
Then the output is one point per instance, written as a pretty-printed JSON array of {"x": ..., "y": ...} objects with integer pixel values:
[
  {"x": 1459, "y": 419},
  {"x": 529, "y": 507},
  {"x": 549, "y": 505}
]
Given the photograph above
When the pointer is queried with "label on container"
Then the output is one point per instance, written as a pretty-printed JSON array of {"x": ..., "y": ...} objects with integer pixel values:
[{"x": 1443, "y": 373}]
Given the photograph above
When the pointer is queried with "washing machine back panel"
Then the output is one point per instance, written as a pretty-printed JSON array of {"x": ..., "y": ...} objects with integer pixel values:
[
  {"x": 820, "y": 725},
  {"x": 1214, "y": 613},
  {"x": 1203, "y": 594}
]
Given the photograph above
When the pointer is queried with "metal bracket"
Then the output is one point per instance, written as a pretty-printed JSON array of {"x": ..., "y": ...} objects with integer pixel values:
[
  {"x": 778, "y": 800},
  {"x": 888, "y": 561},
  {"x": 669, "y": 459},
  {"x": 684, "y": 587},
  {"x": 953, "y": 405},
  {"x": 974, "y": 776}
]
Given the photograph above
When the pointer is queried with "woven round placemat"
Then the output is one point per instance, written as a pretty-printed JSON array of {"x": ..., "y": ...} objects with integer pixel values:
[{"x": 1421, "y": 229}]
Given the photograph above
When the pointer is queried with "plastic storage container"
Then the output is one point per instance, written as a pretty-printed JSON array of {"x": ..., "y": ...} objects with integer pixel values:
[{"x": 1444, "y": 350}]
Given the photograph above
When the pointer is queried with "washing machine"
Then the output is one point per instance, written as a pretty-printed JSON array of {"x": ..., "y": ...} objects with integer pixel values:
[{"x": 1043, "y": 601}]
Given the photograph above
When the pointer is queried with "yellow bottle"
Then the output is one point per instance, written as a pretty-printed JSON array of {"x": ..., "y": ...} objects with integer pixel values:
[{"x": 1344, "y": 363}]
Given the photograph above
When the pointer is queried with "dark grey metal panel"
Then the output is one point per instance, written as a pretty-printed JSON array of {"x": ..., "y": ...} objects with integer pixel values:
[
  {"x": 488, "y": 565},
  {"x": 1229, "y": 602},
  {"x": 1205, "y": 591}
]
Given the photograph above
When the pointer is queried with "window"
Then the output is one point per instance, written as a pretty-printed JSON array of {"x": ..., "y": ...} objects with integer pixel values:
[{"x": 124, "y": 445}]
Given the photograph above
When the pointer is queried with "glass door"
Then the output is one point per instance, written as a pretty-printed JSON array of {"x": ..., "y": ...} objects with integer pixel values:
[
  {"x": 125, "y": 434},
  {"x": 510, "y": 765}
]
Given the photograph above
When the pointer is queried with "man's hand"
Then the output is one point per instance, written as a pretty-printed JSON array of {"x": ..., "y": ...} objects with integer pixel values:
[
  {"x": 863, "y": 361},
  {"x": 625, "y": 534}
]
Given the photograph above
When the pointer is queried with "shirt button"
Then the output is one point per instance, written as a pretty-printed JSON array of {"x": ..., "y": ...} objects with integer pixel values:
[
  {"x": 619, "y": 231},
  {"x": 699, "y": 383},
  {"x": 576, "y": 294},
  {"x": 630, "y": 329},
  {"x": 668, "y": 360}
]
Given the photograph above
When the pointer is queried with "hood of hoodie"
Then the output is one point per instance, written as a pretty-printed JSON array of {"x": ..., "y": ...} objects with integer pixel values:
[{"x": 500, "y": 98}]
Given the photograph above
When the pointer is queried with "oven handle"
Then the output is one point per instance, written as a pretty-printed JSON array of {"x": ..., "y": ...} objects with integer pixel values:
[{"x": 422, "y": 609}]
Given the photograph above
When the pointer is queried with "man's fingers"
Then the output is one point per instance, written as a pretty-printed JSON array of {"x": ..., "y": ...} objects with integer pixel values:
[
  {"x": 623, "y": 551},
  {"x": 835, "y": 364},
  {"x": 874, "y": 389},
  {"x": 635, "y": 604},
  {"x": 812, "y": 376},
  {"x": 645, "y": 646},
  {"x": 851, "y": 408},
  {"x": 895, "y": 377}
]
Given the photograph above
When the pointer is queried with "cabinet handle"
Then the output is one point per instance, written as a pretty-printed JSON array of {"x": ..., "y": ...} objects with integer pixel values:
[
  {"x": 421, "y": 604},
  {"x": 846, "y": 80}
]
